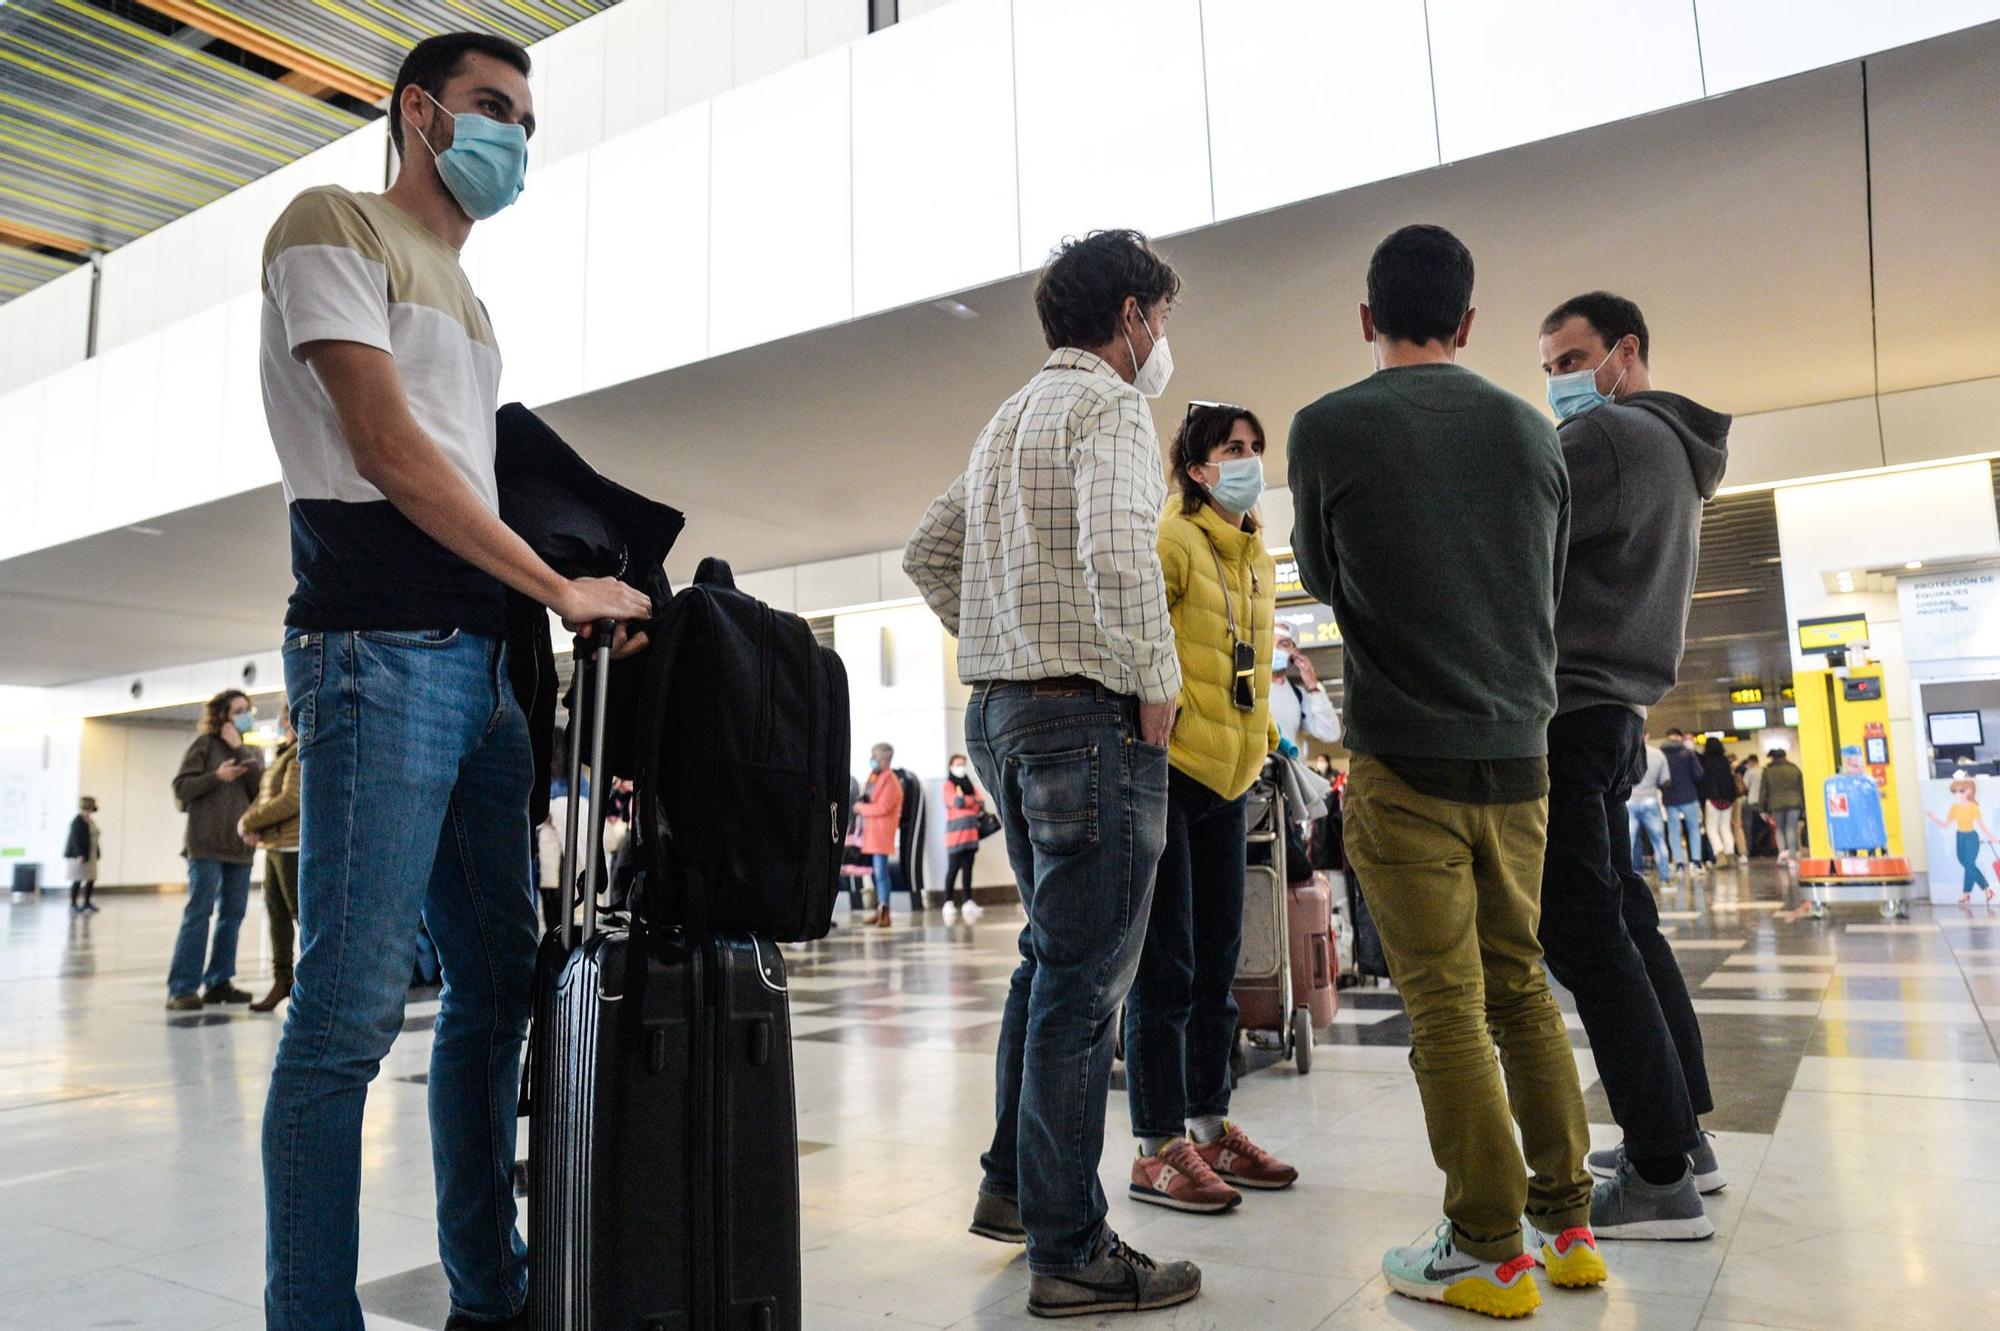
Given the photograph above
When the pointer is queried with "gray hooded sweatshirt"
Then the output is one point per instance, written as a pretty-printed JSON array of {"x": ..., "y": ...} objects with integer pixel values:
[{"x": 1639, "y": 472}]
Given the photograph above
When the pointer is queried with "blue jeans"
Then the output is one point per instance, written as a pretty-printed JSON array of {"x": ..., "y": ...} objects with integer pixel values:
[
  {"x": 1647, "y": 814},
  {"x": 209, "y": 882},
  {"x": 416, "y": 769},
  {"x": 1084, "y": 808},
  {"x": 1180, "y": 1018},
  {"x": 1684, "y": 817},
  {"x": 888, "y": 879}
]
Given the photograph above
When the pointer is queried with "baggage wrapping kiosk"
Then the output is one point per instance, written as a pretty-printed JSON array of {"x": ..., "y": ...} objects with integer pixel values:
[{"x": 1850, "y": 778}]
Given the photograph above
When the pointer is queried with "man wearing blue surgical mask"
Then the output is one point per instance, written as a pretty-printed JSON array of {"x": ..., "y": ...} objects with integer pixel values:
[
  {"x": 381, "y": 377},
  {"x": 1641, "y": 463}
]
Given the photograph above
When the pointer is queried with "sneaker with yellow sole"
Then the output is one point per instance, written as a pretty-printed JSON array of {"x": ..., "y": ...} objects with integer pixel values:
[
  {"x": 1571, "y": 1257},
  {"x": 1437, "y": 1272}
]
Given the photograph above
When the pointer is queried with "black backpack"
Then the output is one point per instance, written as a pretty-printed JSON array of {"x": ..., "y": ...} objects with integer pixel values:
[{"x": 743, "y": 795}]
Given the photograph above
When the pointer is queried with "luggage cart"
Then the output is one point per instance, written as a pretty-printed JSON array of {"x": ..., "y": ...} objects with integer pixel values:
[
  {"x": 1269, "y": 1017},
  {"x": 1857, "y": 878}
]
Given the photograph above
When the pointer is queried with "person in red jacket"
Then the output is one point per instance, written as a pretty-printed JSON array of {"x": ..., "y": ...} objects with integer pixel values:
[
  {"x": 881, "y": 810},
  {"x": 963, "y": 806}
]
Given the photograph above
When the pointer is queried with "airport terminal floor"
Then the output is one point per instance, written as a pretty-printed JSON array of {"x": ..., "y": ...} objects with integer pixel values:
[{"x": 1853, "y": 1059}]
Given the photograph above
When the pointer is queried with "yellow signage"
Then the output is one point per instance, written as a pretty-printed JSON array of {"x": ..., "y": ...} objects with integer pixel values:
[
  {"x": 1746, "y": 696},
  {"x": 1832, "y": 632}
]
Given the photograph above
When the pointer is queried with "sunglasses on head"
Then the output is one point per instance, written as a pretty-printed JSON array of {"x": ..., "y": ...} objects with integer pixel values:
[{"x": 1198, "y": 405}]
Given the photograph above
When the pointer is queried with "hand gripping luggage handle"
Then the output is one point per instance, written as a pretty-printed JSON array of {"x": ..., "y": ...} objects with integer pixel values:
[{"x": 601, "y": 635}]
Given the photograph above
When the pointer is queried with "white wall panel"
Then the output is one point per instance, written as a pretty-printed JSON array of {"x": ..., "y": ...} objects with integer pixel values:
[
  {"x": 829, "y": 584},
  {"x": 69, "y": 446},
  {"x": 635, "y": 64},
  {"x": 243, "y": 456},
  {"x": 935, "y": 207},
  {"x": 129, "y": 426},
  {"x": 1145, "y": 167},
  {"x": 1818, "y": 440},
  {"x": 1513, "y": 71},
  {"x": 831, "y": 23},
  {"x": 1944, "y": 421},
  {"x": 701, "y": 57},
  {"x": 194, "y": 356},
  {"x": 20, "y": 464},
  {"x": 568, "y": 85},
  {"x": 646, "y": 251},
  {"x": 780, "y": 239},
  {"x": 770, "y": 34},
  {"x": 1306, "y": 98},
  {"x": 1749, "y": 41},
  {"x": 532, "y": 280},
  {"x": 45, "y": 330}
]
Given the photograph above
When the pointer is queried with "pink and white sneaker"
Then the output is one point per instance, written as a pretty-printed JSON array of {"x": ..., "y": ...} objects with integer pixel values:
[{"x": 1177, "y": 1177}]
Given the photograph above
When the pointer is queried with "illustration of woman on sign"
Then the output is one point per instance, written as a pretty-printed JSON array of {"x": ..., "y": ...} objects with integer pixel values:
[{"x": 1967, "y": 821}]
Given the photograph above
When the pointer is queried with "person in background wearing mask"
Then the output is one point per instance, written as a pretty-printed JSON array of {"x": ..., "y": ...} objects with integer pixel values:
[
  {"x": 381, "y": 378},
  {"x": 1641, "y": 464},
  {"x": 216, "y": 782},
  {"x": 1180, "y": 1018},
  {"x": 1298, "y": 700},
  {"x": 1784, "y": 794},
  {"x": 1643, "y": 810},
  {"x": 273, "y": 823},
  {"x": 1040, "y": 558},
  {"x": 881, "y": 810},
  {"x": 1682, "y": 796},
  {"x": 963, "y": 807},
  {"x": 1433, "y": 515}
]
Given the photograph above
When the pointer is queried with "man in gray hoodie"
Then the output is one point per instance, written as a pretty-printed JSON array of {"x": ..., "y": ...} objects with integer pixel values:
[{"x": 1641, "y": 463}]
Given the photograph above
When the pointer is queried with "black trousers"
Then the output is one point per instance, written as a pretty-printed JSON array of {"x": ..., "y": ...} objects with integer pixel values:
[
  {"x": 957, "y": 864},
  {"x": 1601, "y": 935}
]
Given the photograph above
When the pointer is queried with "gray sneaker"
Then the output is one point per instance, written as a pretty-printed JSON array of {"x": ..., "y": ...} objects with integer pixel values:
[
  {"x": 1708, "y": 1176},
  {"x": 1708, "y": 1179},
  {"x": 1627, "y": 1207},
  {"x": 999, "y": 1219},
  {"x": 1118, "y": 1280}
]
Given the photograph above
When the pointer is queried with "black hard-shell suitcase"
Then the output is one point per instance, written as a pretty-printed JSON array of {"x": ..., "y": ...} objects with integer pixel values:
[{"x": 663, "y": 1141}]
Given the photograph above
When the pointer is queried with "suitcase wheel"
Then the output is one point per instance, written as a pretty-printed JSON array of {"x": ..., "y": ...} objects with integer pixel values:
[{"x": 1302, "y": 1038}]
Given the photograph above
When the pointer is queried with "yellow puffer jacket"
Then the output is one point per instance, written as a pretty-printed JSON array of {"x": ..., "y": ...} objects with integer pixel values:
[{"x": 1216, "y": 744}]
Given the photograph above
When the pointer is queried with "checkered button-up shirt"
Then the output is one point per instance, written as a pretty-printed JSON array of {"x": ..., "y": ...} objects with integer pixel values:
[{"x": 1042, "y": 557}]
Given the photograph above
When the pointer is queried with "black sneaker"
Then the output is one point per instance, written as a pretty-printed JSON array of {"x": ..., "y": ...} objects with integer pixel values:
[
  {"x": 1118, "y": 1280},
  {"x": 224, "y": 993},
  {"x": 999, "y": 1219}
]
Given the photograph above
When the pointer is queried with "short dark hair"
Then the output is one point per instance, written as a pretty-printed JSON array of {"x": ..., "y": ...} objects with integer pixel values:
[
  {"x": 1206, "y": 429},
  {"x": 1420, "y": 284},
  {"x": 432, "y": 62},
  {"x": 1676, "y": 730},
  {"x": 1612, "y": 318},
  {"x": 1083, "y": 287}
]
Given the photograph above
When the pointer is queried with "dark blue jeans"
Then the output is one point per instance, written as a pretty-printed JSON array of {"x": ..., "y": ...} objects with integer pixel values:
[
  {"x": 221, "y": 890},
  {"x": 1083, "y": 805},
  {"x": 1180, "y": 1018},
  {"x": 414, "y": 810},
  {"x": 889, "y": 880}
]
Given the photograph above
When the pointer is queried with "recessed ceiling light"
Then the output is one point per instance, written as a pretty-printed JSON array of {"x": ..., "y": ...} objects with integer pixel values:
[
  {"x": 146, "y": 531},
  {"x": 1914, "y": 564},
  {"x": 956, "y": 309},
  {"x": 1727, "y": 591}
]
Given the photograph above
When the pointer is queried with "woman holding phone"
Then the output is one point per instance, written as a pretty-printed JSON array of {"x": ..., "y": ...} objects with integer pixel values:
[{"x": 1180, "y": 1018}]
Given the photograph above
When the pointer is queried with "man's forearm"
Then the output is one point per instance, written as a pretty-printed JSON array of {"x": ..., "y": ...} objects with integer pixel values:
[{"x": 425, "y": 488}]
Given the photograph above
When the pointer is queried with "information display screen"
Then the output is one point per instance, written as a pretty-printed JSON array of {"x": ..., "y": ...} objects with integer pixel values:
[{"x": 1956, "y": 730}]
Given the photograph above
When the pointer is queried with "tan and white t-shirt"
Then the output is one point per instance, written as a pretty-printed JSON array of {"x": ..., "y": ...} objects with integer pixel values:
[{"x": 346, "y": 267}]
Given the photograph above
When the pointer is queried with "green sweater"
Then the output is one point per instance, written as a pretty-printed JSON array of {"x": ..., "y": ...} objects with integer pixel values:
[{"x": 1432, "y": 514}]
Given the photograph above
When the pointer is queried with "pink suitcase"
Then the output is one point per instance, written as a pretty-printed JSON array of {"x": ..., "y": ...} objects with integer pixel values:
[{"x": 1315, "y": 969}]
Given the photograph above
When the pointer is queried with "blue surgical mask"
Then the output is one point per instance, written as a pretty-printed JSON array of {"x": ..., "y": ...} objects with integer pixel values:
[
  {"x": 1575, "y": 393},
  {"x": 486, "y": 166},
  {"x": 1281, "y": 661},
  {"x": 1239, "y": 484}
]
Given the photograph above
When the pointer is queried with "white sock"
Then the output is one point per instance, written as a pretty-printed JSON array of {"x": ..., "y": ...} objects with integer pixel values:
[
  {"x": 1208, "y": 1128},
  {"x": 1150, "y": 1146}
]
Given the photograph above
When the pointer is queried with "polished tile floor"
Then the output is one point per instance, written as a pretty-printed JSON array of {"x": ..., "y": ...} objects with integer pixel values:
[{"x": 1853, "y": 1058}]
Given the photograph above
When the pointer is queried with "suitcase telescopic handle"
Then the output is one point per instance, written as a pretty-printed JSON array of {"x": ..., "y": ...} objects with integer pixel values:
[{"x": 599, "y": 656}]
